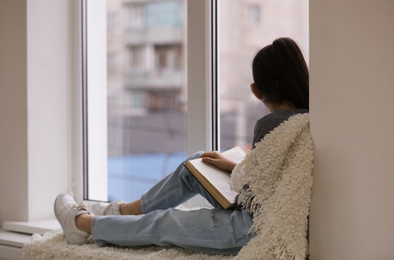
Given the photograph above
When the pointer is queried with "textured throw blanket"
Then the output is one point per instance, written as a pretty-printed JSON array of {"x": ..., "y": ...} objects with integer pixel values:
[
  {"x": 278, "y": 174},
  {"x": 54, "y": 246},
  {"x": 279, "y": 177}
]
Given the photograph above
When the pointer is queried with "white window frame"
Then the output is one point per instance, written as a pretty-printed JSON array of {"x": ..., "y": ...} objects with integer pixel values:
[
  {"x": 202, "y": 127},
  {"x": 202, "y": 119},
  {"x": 95, "y": 112}
]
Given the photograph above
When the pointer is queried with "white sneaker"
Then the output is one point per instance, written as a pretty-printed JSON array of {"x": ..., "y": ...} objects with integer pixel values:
[
  {"x": 66, "y": 210},
  {"x": 105, "y": 208}
]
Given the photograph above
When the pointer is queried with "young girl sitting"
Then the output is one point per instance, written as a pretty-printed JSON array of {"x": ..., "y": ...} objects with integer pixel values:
[{"x": 281, "y": 82}]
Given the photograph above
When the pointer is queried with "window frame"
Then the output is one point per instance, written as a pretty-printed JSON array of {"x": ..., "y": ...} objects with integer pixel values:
[{"x": 203, "y": 104}]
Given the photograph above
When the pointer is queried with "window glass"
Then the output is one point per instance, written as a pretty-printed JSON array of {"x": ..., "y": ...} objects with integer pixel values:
[
  {"x": 146, "y": 84},
  {"x": 244, "y": 27},
  {"x": 146, "y": 96}
]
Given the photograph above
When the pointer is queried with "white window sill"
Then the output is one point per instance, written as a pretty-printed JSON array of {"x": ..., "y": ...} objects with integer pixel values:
[
  {"x": 32, "y": 227},
  {"x": 11, "y": 244},
  {"x": 15, "y": 234},
  {"x": 13, "y": 239}
]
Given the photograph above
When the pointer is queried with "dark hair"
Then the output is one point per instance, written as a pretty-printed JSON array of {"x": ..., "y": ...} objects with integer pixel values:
[{"x": 281, "y": 74}]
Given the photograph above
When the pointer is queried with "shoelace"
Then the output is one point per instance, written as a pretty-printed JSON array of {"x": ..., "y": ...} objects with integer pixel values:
[
  {"x": 81, "y": 207},
  {"x": 110, "y": 205}
]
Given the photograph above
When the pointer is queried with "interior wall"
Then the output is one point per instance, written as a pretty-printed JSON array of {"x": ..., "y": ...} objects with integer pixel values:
[
  {"x": 13, "y": 110},
  {"x": 49, "y": 137},
  {"x": 34, "y": 107},
  {"x": 352, "y": 123}
]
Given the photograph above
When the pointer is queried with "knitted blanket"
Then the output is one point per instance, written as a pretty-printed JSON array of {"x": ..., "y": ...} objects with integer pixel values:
[{"x": 278, "y": 174}]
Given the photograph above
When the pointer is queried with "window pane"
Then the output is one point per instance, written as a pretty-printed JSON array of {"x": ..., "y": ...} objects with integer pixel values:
[
  {"x": 147, "y": 104},
  {"x": 244, "y": 27}
]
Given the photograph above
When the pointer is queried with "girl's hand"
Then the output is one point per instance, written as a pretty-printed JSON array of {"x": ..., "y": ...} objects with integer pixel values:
[{"x": 219, "y": 160}]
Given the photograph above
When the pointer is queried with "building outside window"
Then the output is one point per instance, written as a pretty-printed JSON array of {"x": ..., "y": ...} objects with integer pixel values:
[
  {"x": 147, "y": 103},
  {"x": 146, "y": 93}
]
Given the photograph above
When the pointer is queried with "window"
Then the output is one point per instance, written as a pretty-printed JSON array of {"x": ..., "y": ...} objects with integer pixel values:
[
  {"x": 112, "y": 20},
  {"x": 253, "y": 14},
  {"x": 113, "y": 62},
  {"x": 137, "y": 58},
  {"x": 239, "y": 109},
  {"x": 145, "y": 96},
  {"x": 168, "y": 57},
  {"x": 141, "y": 124},
  {"x": 136, "y": 15}
]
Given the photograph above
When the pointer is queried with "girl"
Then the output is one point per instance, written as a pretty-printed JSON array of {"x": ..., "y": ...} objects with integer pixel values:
[{"x": 281, "y": 82}]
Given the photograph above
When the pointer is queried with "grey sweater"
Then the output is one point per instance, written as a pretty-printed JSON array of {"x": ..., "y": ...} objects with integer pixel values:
[{"x": 269, "y": 122}]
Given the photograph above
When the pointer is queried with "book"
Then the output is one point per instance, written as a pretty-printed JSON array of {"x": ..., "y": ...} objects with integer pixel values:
[{"x": 217, "y": 181}]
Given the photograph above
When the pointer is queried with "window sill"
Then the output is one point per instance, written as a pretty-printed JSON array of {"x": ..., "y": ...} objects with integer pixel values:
[
  {"x": 32, "y": 227},
  {"x": 11, "y": 244},
  {"x": 13, "y": 239},
  {"x": 15, "y": 234}
]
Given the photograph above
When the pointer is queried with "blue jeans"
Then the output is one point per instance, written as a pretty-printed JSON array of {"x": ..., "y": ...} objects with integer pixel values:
[{"x": 208, "y": 230}]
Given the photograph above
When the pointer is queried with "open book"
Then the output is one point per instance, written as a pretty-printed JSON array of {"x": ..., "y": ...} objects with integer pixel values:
[{"x": 215, "y": 180}]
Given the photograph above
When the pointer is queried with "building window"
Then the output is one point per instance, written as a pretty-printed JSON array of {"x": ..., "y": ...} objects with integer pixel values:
[
  {"x": 113, "y": 62},
  {"x": 253, "y": 14},
  {"x": 112, "y": 20},
  {"x": 137, "y": 58},
  {"x": 137, "y": 16},
  {"x": 168, "y": 57}
]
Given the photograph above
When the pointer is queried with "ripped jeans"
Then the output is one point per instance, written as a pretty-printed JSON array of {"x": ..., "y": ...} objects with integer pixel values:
[{"x": 214, "y": 230}]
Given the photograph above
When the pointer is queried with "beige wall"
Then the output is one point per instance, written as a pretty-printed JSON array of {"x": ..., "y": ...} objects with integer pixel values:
[
  {"x": 34, "y": 107},
  {"x": 352, "y": 123},
  {"x": 13, "y": 110}
]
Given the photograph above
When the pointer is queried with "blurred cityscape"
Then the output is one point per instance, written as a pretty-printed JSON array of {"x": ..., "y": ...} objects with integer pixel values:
[{"x": 146, "y": 71}]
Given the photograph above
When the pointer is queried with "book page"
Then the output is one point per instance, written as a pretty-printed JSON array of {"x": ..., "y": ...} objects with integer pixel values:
[
  {"x": 217, "y": 177},
  {"x": 235, "y": 154}
]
